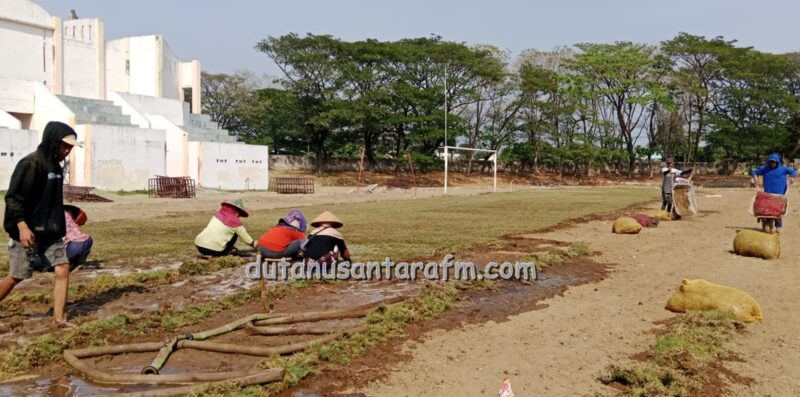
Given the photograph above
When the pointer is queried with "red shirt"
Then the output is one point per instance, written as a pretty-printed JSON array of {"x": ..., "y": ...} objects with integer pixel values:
[{"x": 277, "y": 238}]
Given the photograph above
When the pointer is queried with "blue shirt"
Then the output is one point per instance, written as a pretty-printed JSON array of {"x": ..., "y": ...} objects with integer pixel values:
[{"x": 775, "y": 178}]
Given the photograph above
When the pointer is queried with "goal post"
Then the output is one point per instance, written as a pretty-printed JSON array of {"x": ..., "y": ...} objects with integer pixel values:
[{"x": 447, "y": 160}]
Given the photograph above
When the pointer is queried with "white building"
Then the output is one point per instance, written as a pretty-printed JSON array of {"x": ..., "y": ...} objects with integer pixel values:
[{"x": 134, "y": 104}]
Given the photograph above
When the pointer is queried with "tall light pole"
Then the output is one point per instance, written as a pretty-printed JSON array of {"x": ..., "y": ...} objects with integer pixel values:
[
  {"x": 445, "y": 104},
  {"x": 446, "y": 159}
]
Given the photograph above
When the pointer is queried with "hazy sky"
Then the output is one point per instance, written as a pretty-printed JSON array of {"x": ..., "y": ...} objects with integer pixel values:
[{"x": 221, "y": 34}]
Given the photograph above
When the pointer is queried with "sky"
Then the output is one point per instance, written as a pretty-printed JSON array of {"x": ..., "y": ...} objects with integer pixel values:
[{"x": 222, "y": 34}]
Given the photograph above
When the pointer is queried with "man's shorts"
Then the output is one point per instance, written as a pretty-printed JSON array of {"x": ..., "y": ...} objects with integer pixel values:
[{"x": 19, "y": 266}]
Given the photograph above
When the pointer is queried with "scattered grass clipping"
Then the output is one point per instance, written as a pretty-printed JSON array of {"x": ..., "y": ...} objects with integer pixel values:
[
  {"x": 49, "y": 347},
  {"x": 676, "y": 362},
  {"x": 382, "y": 323}
]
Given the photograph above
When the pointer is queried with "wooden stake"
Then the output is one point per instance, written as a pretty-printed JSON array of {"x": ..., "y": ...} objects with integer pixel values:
[
  {"x": 360, "y": 169},
  {"x": 413, "y": 177}
]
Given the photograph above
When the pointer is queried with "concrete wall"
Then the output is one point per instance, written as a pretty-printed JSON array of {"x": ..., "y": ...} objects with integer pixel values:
[
  {"x": 177, "y": 141},
  {"x": 137, "y": 118},
  {"x": 171, "y": 109},
  {"x": 9, "y": 121},
  {"x": 16, "y": 95},
  {"x": 229, "y": 166},
  {"x": 118, "y": 65},
  {"x": 170, "y": 73},
  {"x": 84, "y": 71},
  {"x": 14, "y": 145},
  {"x": 119, "y": 158},
  {"x": 26, "y": 34},
  {"x": 49, "y": 108},
  {"x": 190, "y": 77}
]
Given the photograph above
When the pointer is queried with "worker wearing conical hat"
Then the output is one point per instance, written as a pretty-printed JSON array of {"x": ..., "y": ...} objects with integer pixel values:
[
  {"x": 223, "y": 230},
  {"x": 326, "y": 244}
]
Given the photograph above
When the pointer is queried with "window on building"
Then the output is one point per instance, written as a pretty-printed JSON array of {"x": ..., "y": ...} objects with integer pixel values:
[{"x": 187, "y": 96}]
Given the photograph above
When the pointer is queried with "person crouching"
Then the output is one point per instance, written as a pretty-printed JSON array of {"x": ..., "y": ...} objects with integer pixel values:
[
  {"x": 223, "y": 230},
  {"x": 325, "y": 244},
  {"x": 284, "y": 239}
]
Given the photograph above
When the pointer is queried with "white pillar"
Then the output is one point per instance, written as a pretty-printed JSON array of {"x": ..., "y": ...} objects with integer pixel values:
[
  {"x": 446, "y": 158},
  {"x": 494, "y": 188}
]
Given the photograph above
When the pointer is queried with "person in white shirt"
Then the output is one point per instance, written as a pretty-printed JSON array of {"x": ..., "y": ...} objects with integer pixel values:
[{"x": 669, "y": 173}]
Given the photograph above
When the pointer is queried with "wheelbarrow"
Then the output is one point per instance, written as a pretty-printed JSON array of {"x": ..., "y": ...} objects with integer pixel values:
[
  {"x": 683, "y": 199},
  {"x": 768, "y": 221}
]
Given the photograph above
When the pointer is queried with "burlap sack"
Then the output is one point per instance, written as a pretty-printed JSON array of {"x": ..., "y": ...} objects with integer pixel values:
[
  {"x": 626, "y": 225},
  {"x": 757, "y": 244},
  {"x": 702, "y": 295},
  {"x": 660, "y": 214},
  {"x": 645, "y": 220}
]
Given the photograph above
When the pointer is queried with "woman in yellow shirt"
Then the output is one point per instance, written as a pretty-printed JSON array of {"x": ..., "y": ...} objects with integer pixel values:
[{"x": 223, "y": 230}]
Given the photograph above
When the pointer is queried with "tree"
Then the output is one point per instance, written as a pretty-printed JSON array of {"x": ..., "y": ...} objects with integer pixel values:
[
  {"x": 754, "y": 104},
  {"x": 698, "y": 67},
  {"x": 312, "y": 67},
  {"x": 226, "y": 99},
  {"x": 621, "y": 74}
]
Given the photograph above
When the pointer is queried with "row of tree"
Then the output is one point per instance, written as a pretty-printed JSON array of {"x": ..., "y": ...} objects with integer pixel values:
[{"x": 591, "y": 106}]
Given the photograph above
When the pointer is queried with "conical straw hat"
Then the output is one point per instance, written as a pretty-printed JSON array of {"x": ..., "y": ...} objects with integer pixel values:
[{"x": 327, "y": 217}]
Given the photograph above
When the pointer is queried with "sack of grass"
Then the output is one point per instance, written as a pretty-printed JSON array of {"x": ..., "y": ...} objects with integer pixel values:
[
  {"x": 660, "y": 214},
  {"x": 757, "y": 244},
  {"x": 626, "y": 225},
  {"x": 702, "y": 295},
  {"x": 645, "y": 220}
]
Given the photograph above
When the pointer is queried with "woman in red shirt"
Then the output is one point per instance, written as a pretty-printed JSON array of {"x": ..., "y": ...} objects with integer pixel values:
[{"x": 283, "y": 240}]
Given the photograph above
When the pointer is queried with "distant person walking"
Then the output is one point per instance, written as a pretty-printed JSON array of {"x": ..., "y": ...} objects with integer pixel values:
[
  {"x": 669, "y": 174},
  {"x": 34, "y": 215},
  {"x": 772, "y": 177}
]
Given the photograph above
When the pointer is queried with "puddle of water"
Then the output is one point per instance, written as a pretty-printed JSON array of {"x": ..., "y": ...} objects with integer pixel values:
[
  {"x": 122, "y": 271},
  {"x": 63, "y": 386}
]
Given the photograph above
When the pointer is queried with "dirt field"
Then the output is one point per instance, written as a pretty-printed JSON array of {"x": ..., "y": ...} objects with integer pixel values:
[
  {"x": 551, "y": 338},
  {"x": 560, "y": 349}
]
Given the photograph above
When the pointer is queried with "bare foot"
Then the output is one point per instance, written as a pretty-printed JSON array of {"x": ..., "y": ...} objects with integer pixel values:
[{"x": 63, "y": 325}]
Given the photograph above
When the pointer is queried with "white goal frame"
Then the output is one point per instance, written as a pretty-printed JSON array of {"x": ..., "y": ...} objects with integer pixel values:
[{"x": 447, "y": 160}]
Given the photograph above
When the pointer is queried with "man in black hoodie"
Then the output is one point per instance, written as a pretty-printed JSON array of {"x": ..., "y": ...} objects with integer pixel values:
[{"x": 34, "y": 216}]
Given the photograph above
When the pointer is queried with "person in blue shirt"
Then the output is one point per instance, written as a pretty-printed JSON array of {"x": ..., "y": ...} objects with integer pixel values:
[{"x": 772, "y": 177}]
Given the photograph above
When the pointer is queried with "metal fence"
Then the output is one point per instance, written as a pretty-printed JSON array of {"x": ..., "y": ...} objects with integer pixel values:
[{"x": 172, "y": 187}]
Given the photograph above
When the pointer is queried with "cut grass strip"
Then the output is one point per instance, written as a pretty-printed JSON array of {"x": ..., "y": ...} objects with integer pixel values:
[
  {"x": 383, "y": 323},
  {"x": 676, "y": 362},
  {"x": 48, "y": 348}
]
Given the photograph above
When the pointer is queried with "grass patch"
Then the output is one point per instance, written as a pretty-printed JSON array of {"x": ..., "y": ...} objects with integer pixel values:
[
  {"x": 555, "y": 256},
  {"x": 678, "y": 358},
  {"x": 48, "y": 348},
  {"x": 137, "y": 192},
  {"x": 445, "y": 221},
  {"x": 383, "y": 323}
]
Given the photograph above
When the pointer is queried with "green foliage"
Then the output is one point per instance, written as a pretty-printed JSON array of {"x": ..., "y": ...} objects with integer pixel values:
[{"x": 573, "y": 109}]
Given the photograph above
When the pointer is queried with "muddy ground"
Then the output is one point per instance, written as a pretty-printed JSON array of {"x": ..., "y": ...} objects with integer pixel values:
[{"x": 550, "y": 337}]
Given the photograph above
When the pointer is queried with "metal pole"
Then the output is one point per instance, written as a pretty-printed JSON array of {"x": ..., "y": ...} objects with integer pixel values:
[
  {"x": 445, "y": 169},
  {"x": 445, "y": 110},
  {"x": 494, "y": 189}
]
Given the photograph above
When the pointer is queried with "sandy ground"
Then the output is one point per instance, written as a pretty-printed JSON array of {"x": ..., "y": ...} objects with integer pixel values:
[{"x": 560, "y": 350}]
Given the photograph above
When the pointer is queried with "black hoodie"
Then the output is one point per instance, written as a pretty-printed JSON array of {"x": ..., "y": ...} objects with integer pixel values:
[{"x": 36, "y": 191}]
